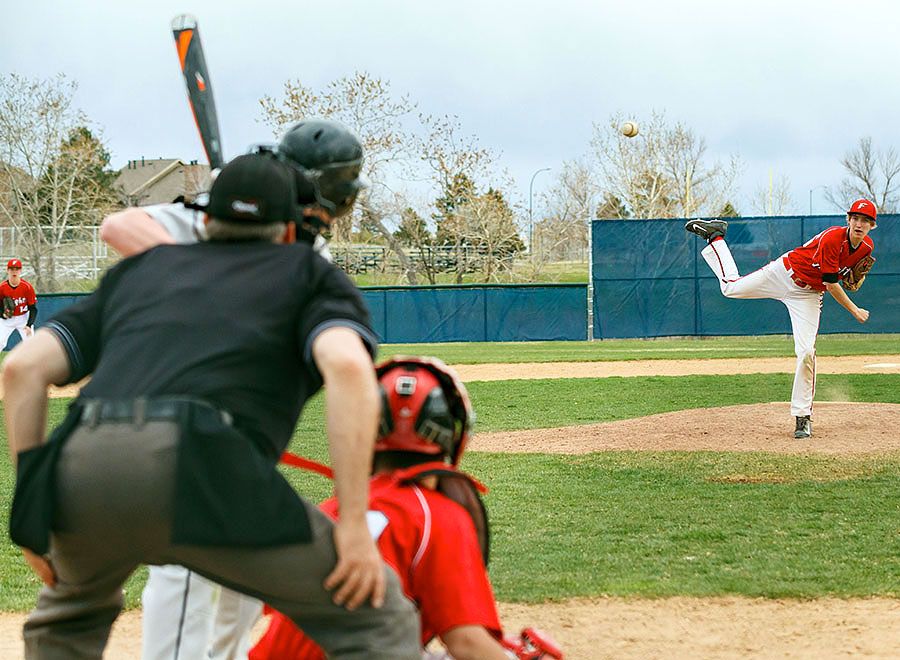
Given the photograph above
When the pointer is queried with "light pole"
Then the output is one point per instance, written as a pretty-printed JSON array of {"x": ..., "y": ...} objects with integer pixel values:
[
  {"x": 810, "y": 196},
  {"x": 530, "y": 216}
]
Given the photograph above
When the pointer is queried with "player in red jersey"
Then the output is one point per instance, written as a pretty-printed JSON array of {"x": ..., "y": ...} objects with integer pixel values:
[
  {"x": 798, "y": 279},
  {"x": 429, "y": 522},
  {"x": 24, "y": 301}
]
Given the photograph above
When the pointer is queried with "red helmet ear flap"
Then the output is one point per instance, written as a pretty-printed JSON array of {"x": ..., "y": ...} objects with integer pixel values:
[{"x": 386, "y": 422}]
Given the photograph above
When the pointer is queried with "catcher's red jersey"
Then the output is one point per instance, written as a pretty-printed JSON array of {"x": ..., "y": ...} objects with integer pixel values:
[
  {"x": 23, "y": 295},
  {"x": 827, "y": 252},
  {"x": 430, "y": 542}
]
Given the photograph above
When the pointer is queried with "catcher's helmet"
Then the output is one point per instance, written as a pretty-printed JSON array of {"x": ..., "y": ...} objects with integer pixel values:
[
  {"x": 332, "y": 155},
  {"x": 424, "y": 408}
]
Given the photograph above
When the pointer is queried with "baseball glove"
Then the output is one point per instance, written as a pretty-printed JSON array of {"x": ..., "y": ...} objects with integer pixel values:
[
  {"x": 533, "y": 644},
  {"x": 854, "y": 279},
  {"x": 9, "y": 307}
]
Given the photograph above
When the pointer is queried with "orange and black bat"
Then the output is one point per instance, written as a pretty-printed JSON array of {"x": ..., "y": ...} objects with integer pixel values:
[{"x": 199, "y": 87}]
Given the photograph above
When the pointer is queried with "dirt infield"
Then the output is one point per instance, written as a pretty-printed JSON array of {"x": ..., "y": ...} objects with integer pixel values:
[
  {"x": 678, "y": 628},
  {"x": 637, "y": 629},
  {"x": 853, "y": 364},
  {"x": 838, "y": 428}
]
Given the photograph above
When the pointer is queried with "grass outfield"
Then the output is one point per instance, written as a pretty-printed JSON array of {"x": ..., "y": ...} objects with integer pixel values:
[
  {"x": 645, "y": 349},
  {"x": 643, "y": 523}
]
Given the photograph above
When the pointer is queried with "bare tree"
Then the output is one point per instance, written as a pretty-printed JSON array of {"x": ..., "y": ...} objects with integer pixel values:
[
  {"x": 456, "y": 163},
  {"x": 414, "y": 232},
  {"x": 569, "y": 206},
  {"x": 775, "y": 199},
  {"x": 486, "y": 222},
  {"x": 366, "y": 104},
  {"x": 661, "y": 173},
  {"x": 52, "y": 169},
  {"x": 435, "y": 151},
  {"x": 873, "y": 174},
  {"x": 631, "y": 168}
]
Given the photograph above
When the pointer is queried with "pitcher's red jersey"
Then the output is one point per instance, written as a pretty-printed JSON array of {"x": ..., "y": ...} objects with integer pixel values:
[{"x": 827, "y": 252}]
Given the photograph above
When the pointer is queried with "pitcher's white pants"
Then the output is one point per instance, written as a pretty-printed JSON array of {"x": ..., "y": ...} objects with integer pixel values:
[{"x": 804, "y": 306}]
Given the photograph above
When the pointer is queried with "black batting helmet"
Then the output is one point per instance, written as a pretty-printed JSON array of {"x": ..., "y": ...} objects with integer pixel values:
[
  {"x": 332, "y": 156},
  {"x": 425, "y": 408}
]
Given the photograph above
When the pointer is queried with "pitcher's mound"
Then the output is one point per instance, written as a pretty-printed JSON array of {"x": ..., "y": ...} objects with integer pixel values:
[{"x": 837, "y": 428}]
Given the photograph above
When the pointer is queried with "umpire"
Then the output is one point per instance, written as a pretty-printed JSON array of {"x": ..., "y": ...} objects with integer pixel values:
[{"x": 201, "y": 360}]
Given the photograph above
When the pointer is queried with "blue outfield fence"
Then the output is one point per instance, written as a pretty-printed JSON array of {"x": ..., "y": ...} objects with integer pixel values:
[
  {"x": 650, "y": 280},
  {"x": 499, "y": 312},
  {"x": 449, "y": 313}
]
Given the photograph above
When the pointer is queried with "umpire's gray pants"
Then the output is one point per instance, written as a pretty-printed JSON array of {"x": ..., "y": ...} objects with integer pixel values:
[{"x": 114, "y": 512}]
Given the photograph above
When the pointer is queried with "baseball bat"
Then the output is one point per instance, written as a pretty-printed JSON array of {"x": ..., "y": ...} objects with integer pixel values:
[{"x": 199, "y": 87}]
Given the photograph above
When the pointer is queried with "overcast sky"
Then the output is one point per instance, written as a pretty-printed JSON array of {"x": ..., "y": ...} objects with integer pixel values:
[{"x": 789, "y": 85}]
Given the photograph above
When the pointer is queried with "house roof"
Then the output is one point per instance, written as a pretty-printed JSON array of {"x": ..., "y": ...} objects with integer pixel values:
[{"x": 137, "y": 179}]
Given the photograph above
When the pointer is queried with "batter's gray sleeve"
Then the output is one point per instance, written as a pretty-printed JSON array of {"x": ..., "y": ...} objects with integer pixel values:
[{"x": 185, "y": 225}]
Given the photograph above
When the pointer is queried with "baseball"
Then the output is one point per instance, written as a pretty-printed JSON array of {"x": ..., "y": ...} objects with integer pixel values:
[{"x": 629, "y": 129}]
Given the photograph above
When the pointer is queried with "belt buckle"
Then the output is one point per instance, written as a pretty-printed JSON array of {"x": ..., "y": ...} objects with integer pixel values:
[
  {"x": 90, "y": 414},
  {"x": 139, "y": 410}
]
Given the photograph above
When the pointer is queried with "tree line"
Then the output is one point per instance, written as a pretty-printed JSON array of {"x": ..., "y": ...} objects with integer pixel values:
[{"x": 433, "y": 185}]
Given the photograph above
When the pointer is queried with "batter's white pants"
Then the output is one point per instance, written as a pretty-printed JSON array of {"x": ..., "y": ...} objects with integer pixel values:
[
  {"x": 804, "y": 306},
  {"x": 186, "y": 616},
  {"x": 10, "y": 325}
]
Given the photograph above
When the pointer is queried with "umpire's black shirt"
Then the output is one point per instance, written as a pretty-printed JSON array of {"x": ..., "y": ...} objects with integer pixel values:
[{"x": 232, "y": 323}]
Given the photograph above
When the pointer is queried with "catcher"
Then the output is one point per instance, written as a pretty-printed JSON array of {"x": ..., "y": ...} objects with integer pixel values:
[
  {"x": 429, "y": 521},
  {"x": 839, "y": 255}
]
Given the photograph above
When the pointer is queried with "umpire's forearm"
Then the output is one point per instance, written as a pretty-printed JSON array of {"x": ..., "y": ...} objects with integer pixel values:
[
  {"x": 352, "y": 405},
  {"x": 27, "y": 372}
]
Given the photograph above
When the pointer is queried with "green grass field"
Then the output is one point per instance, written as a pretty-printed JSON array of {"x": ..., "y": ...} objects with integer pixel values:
[
  {"x": 647, "y": 349},
  {"x": 644, "y": 524}
]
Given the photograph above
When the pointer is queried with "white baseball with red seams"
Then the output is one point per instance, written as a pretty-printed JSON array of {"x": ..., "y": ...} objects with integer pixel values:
[{"x": 629, "y": 129}]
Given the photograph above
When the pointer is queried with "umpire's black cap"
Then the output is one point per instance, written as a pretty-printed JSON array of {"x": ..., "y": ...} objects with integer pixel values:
[{"x": 253, "y": 188}]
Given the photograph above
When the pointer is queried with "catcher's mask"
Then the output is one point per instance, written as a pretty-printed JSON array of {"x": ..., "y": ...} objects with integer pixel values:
[
  {"x": 332, "y": 157},
  {"x": 424, "y": 408}
]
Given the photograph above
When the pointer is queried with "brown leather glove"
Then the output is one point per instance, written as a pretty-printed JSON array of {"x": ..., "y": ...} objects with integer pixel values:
[{"x": 854, "y": 279}]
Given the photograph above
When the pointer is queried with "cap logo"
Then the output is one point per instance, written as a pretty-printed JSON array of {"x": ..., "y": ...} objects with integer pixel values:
[
  {"x": 862, "y": 205},
  {"x": 243, "y": 207}
]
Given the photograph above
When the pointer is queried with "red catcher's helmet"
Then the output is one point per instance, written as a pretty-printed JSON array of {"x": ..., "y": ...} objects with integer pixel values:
[
  {"x": 424, "y": 408},
  {"x": 864, "y": 207}
]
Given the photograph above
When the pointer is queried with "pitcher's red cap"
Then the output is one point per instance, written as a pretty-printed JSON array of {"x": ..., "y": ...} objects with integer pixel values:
[
  {"x": 864, "y": 207},
  {"x": 14, "y": 263}
]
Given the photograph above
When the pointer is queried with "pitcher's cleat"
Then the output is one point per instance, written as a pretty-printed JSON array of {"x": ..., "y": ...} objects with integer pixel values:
[
  {"x": 803, "y": 428},
  {"x": 707, "y": 229}
]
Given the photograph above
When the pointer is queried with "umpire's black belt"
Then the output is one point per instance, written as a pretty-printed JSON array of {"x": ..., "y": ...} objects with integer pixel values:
[{"x": 144, "y": 409}]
